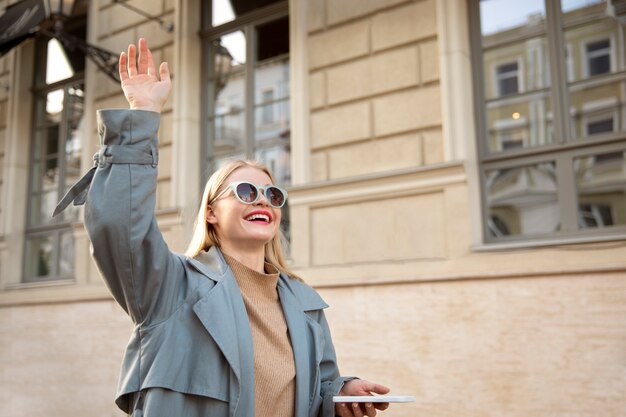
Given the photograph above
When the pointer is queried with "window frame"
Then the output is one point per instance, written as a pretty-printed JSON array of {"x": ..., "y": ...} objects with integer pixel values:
[
  {"x": 565, "y": 145},
  {"x": 55, "y": 229},
  {"x": 498, "y": 78},
  {"x": 208, "y": 33},
  {"x": 586, "y": 65}
]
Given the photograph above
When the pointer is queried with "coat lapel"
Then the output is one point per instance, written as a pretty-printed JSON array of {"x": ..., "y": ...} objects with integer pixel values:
[
  {"x": 296, "y": 323},
  {"x": 224, "y": 316}
]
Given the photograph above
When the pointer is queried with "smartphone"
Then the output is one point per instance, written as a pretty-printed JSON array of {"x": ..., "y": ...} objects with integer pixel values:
[{"x": 374, "y": 399}]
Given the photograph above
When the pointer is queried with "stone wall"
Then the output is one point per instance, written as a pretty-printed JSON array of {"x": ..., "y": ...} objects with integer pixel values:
[
  {"x": 544, "y": 346},
  {"x": 374, "y": 93}
]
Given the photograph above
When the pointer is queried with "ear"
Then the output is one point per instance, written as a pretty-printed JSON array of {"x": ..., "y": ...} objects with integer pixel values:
[{"x": 210, "y": 216}]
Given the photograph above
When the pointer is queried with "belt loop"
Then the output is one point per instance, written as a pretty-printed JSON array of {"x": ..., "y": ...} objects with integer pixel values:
[
  {"x": 155, "y": 155},
  {"x": 100, "y": 156}
]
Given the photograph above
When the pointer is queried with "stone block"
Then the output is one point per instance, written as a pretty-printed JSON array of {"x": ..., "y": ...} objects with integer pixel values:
[
  {"x": 3, "y": 135},
  {"x": 338, "y": 44},
  {"x": 156, "y": 36},
  {"x": 375, "y": 156},
  {"x": 151, "y": 7},
  {"x": 394, "y": 229},
  {"x": 373, "y": 75},
  {"x": 3, "y": 113},
  {"x": 114, "y": 102},
  {"x": 339, "y": 11},
  {"x": 168, "y": 56},
  {"x": 429, "y": 61},
  {"x": 402, "y": 25},
  {"x": 5, "y": 86},
  {"x": 119, "y": 42},
  {"x": 169, "y": 5},
  {"x": 315, "y": 14},
  {"x": 340, "y": 125},
  {"x": 394, "y": 69},
  {"x": 166, "y": 129},
  {"x": 165, "y": 161},
  {"x": 433, "y": 146},
  {"x": 407, "y": 110},
  {"x": 349, "y": 81},
  {"x": 163, "y": 193},
  {"x": 317, "y": 89},
  {"x": 105, "y": 85},
  {"x": 319, "y": 166},
  {"x": 117, "y": 18}
]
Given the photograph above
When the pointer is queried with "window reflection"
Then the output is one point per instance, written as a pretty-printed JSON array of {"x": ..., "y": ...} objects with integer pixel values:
[
  {"x": 516, "y": 74},
  {"x": 224, "y": 11},
  {"x": 227, "y": 123},
  {"x": 601, "y": 187},
  {"x": 522, "y": 200},
  {"x": 272, "y": 103},
  {"x": 39, "y": 255},
  {"x": 503, "y": 15},
  {"x": 594, "y": 33}
]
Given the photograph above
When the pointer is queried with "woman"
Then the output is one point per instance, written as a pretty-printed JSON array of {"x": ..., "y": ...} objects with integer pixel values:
[{"x": 226, "y": 329}]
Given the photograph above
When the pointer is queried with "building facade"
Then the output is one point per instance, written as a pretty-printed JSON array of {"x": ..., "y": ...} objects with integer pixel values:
[{"x": 457, "y": 189}]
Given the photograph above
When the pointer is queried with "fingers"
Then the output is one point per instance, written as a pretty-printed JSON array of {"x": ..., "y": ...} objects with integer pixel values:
[
  {"x": 164, "y": 72},
  {"x": 373, "y": 387},
  {"x": 145, "y": 58},
  {"x": 381, "y": 406},
  {"x": 343, "y": 410},
  {"x": 356, "y": 410},
  {"x": 123, "y": 70},
  {"x": 132, "y": 60},
  {"x": 370, "y": 410}
]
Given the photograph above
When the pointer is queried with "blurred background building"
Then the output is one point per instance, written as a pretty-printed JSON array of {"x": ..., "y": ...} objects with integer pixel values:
[{"x": 457, "y": 179}]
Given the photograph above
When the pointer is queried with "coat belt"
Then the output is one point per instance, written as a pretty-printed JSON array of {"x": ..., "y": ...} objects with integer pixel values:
[{"x": 109, "y": 154}]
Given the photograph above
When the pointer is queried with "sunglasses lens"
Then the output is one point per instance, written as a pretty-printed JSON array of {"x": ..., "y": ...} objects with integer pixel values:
[
  {"x": 275, "y": 196},
  {"x": 247, "y": 192}
]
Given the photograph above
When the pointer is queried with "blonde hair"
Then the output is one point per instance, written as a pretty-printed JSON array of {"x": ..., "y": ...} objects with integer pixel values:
[{"x": 204, "y": 234}]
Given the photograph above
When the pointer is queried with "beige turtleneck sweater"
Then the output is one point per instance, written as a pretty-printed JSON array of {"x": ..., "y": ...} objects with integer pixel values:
[{"x": 274, "y": 368}]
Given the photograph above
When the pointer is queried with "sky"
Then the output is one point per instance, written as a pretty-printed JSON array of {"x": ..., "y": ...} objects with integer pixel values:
[{"x": 497, "y": 15}]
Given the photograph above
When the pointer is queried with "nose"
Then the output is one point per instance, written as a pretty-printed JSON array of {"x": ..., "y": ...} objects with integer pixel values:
[{"x": 262, "y": 199}]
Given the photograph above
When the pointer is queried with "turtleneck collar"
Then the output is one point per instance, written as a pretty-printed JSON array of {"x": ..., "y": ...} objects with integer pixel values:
[{"x": 254, "y": 284}]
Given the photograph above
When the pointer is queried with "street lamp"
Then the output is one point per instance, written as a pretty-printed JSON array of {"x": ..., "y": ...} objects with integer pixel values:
[{"x": 62, "y": 8}]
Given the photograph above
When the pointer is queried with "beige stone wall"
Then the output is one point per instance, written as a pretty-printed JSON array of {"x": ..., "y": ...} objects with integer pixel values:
[
  {"x": 61, "y": 359},
  {"x": 5, "y": 82},
  {"x": 544, "y": 346},
  {"x": 374, "y": 93}
]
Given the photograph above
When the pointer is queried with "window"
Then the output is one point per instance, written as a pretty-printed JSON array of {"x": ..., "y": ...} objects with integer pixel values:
[
  {"x": 552, "y": 137},
  {"x": 598, "y": 57},
  {"x": 600, "y": 126},
  {"x": 267, "y": 107},
  {"x": 507, "y": 79},
  {"x": 56, "y": 145},
  {"x": 246, "y": 102}
]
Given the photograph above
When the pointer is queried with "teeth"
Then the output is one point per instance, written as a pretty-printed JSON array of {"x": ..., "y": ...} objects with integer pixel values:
[{"x": 263, "y": 217}]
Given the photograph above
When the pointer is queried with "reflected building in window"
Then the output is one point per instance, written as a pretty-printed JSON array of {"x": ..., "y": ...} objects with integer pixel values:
[{"x": 533, "y": 122}]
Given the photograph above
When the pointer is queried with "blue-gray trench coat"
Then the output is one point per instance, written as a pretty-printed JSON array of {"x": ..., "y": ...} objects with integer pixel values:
[{"x": 192, "y": 335}]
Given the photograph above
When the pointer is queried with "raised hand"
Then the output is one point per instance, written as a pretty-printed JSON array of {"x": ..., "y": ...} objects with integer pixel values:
[
  {"x": 360, "y": 387},
  {"x": 144, "y": 90}
]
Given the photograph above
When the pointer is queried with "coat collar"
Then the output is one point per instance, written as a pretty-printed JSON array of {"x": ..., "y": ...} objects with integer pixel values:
[{"x": 223, "y": 314}]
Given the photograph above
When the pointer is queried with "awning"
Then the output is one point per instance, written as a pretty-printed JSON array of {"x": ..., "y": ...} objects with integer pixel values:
[{"x": 20, "y": 21}]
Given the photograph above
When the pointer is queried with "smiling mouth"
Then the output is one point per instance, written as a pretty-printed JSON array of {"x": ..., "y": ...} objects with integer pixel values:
[{"x": 258, "y": 218}]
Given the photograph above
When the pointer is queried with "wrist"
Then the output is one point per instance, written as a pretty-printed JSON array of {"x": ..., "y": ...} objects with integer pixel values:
[{"x": 146, "y": 108}]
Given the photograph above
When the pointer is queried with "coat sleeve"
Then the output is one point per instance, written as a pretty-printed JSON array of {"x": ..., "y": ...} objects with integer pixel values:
[
  {"x": 332, "y": 382},
  {"x": 144, "y": 277}
]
